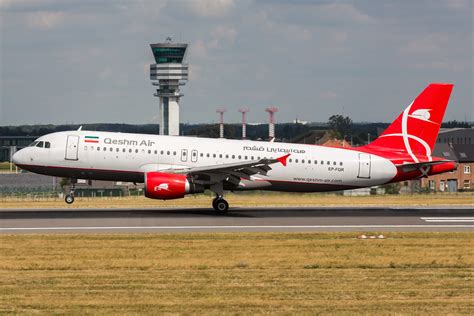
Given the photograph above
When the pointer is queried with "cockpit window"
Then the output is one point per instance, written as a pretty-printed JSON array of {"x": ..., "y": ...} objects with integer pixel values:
[
  {"x": 33, "y": 144},
  {"x": 40, "y": 144},
  {"x": 47, "y": 145}
]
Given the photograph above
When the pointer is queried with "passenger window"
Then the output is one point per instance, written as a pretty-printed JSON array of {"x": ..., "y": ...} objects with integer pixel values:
[
  {"x": 214, "y": 156},
  {"x": 246, "y": 158},
  {"x": 296, "y": 160},
  {"x": 240, "y": 157},
  {"x": 207, "y": 155},
  {"x": 47, "y": 145},
  {"x": 340, "y": 164},
  {"x": 168, "y": 152},
  {"x": 220, "y": 155},
  {"x": 149, "y": 151},
  {"x": 40, "y": 144},
  {"x": 251, "y": 158},
  {"x": 291, "y": 160},
  {"x": 328, "y": 162},
  {"x": 334, "y": 163},
  {"x": 156, "y": 152},
  {"x": 117, "y": 150},
  {"x": 174, "y": 153},
  {"x": 202, "y": 155},
  {"x": 226, "y": 156},
  {"x": 322, "y": 162},
  {"x": 233, "y": 156},
  {"x": 130, "y": 150},
  {"x": 123, "y": 150},
  {"x": 315, "y": 162},
  {"x": 98, "y": 148},
  {"x": 309, "y": 161},
  {"x": 111, "y": 149},
  {"x": 105, "y": 149},
  {"x": 302, "y": 161},
  {"x": 136, "y": 151}
]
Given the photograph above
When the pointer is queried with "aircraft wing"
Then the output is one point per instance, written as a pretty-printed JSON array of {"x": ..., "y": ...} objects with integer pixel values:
[{"x": 231, "y": 172}]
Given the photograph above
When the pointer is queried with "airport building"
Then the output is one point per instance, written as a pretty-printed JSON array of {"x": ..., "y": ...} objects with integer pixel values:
[
  {"x": 169, "y": 73},
  {"x": 454, "y": 144}
]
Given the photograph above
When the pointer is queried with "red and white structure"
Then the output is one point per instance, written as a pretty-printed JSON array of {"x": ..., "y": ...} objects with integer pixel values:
[
  {"x": 221, "y": 112},
  {"x": 271, "y": 121},
  {"x": 244, "y": 121}
]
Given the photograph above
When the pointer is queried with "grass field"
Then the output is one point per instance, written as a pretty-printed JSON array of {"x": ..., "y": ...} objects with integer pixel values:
[
  {"x": 251, "y": 273},
  {"x": 4, "y": 166},
  {"x": 250, "y": 200}
]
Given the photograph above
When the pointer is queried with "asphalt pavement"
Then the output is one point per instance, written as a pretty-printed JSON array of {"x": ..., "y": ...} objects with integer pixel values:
[{"x": 301, "y": 219}]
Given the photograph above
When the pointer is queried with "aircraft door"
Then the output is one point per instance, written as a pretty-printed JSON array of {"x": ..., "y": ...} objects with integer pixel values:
[
  {"x": 184, "y": 155},
  {"x": 364, "y": 166},
  {"x": 194, "y": 155},
  {"x": 72, "y": 147}
]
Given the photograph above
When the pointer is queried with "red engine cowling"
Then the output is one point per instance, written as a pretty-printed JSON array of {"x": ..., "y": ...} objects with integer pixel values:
[{"x": 167, "y": 186}]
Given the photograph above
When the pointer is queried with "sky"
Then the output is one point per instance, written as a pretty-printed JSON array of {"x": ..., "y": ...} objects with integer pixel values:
[{"x": 87, "y": 61}]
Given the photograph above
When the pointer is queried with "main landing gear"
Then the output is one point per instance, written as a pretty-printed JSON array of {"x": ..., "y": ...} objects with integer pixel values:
[
  {"x": 69, "y": 199},
  {"x": 219, "y": 204}
]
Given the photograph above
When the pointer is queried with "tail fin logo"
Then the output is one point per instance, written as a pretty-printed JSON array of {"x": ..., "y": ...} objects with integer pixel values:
[
  {"x": 422, "y": 114},
  {"x": 405, "y": 135}
]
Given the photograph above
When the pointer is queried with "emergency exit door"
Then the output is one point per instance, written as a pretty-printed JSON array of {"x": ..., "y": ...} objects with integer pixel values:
[
  {"x": 364, "y": 166},
  {"x": 72, "y": 147}
]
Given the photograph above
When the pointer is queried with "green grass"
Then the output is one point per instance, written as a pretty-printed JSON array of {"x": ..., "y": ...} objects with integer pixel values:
[
  {"x": 244, "y": 273},
  {"x": 4, "y": 166}
]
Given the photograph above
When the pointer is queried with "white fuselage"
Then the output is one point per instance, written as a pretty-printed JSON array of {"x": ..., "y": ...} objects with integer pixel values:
[{"x": 127, "y": 157}]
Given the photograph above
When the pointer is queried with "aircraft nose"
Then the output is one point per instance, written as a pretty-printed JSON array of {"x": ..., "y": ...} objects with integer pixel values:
[{"x": 17, "y": 157}]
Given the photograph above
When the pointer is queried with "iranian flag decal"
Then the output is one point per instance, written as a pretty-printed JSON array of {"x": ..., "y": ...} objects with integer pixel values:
[{"x": 91, "y": 139}]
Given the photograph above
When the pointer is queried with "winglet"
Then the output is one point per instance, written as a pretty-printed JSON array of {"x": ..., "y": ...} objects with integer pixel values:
[{"x": 283, "y": 159}]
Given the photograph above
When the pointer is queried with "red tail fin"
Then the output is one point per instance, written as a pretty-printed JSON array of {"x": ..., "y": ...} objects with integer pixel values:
[{"x": 415, "y": 131}]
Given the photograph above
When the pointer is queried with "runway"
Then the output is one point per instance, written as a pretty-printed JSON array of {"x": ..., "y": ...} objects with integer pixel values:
[{"x": 308, "y": 219}]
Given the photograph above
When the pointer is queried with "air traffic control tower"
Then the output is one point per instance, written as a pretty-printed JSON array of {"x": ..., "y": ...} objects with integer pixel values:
[{"x": 168, "y": 74}]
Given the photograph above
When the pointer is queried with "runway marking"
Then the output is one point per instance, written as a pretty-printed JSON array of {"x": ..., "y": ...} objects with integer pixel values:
[
  {"x": 447, "y": 219},
  {"x": 226, "y": 227}
]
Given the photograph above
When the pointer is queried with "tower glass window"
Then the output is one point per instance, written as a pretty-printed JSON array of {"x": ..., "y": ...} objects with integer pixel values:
[{"x": 172, "y": 53}]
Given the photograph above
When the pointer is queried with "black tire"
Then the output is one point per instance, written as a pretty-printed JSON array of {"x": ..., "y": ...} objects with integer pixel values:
[
  {"x": 69, "y": 199},
  {"x": 214, "y": 203},
  {"x": 220, "y": 205}
]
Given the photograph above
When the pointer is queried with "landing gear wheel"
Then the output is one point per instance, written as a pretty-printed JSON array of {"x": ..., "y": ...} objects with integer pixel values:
[
  {"x": 220, "y": 205},
  {"x": 69, "y": 199}
]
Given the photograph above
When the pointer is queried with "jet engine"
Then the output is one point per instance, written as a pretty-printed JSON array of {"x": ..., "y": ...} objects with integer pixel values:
[{"x": 168, "y": 186}]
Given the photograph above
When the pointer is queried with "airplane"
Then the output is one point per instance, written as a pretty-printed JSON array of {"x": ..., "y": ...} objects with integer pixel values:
[{"x": 173, "y": 166}]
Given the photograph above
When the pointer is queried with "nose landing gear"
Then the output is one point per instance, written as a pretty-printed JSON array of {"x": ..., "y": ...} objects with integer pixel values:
[{"x": 69, "y": 199}]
